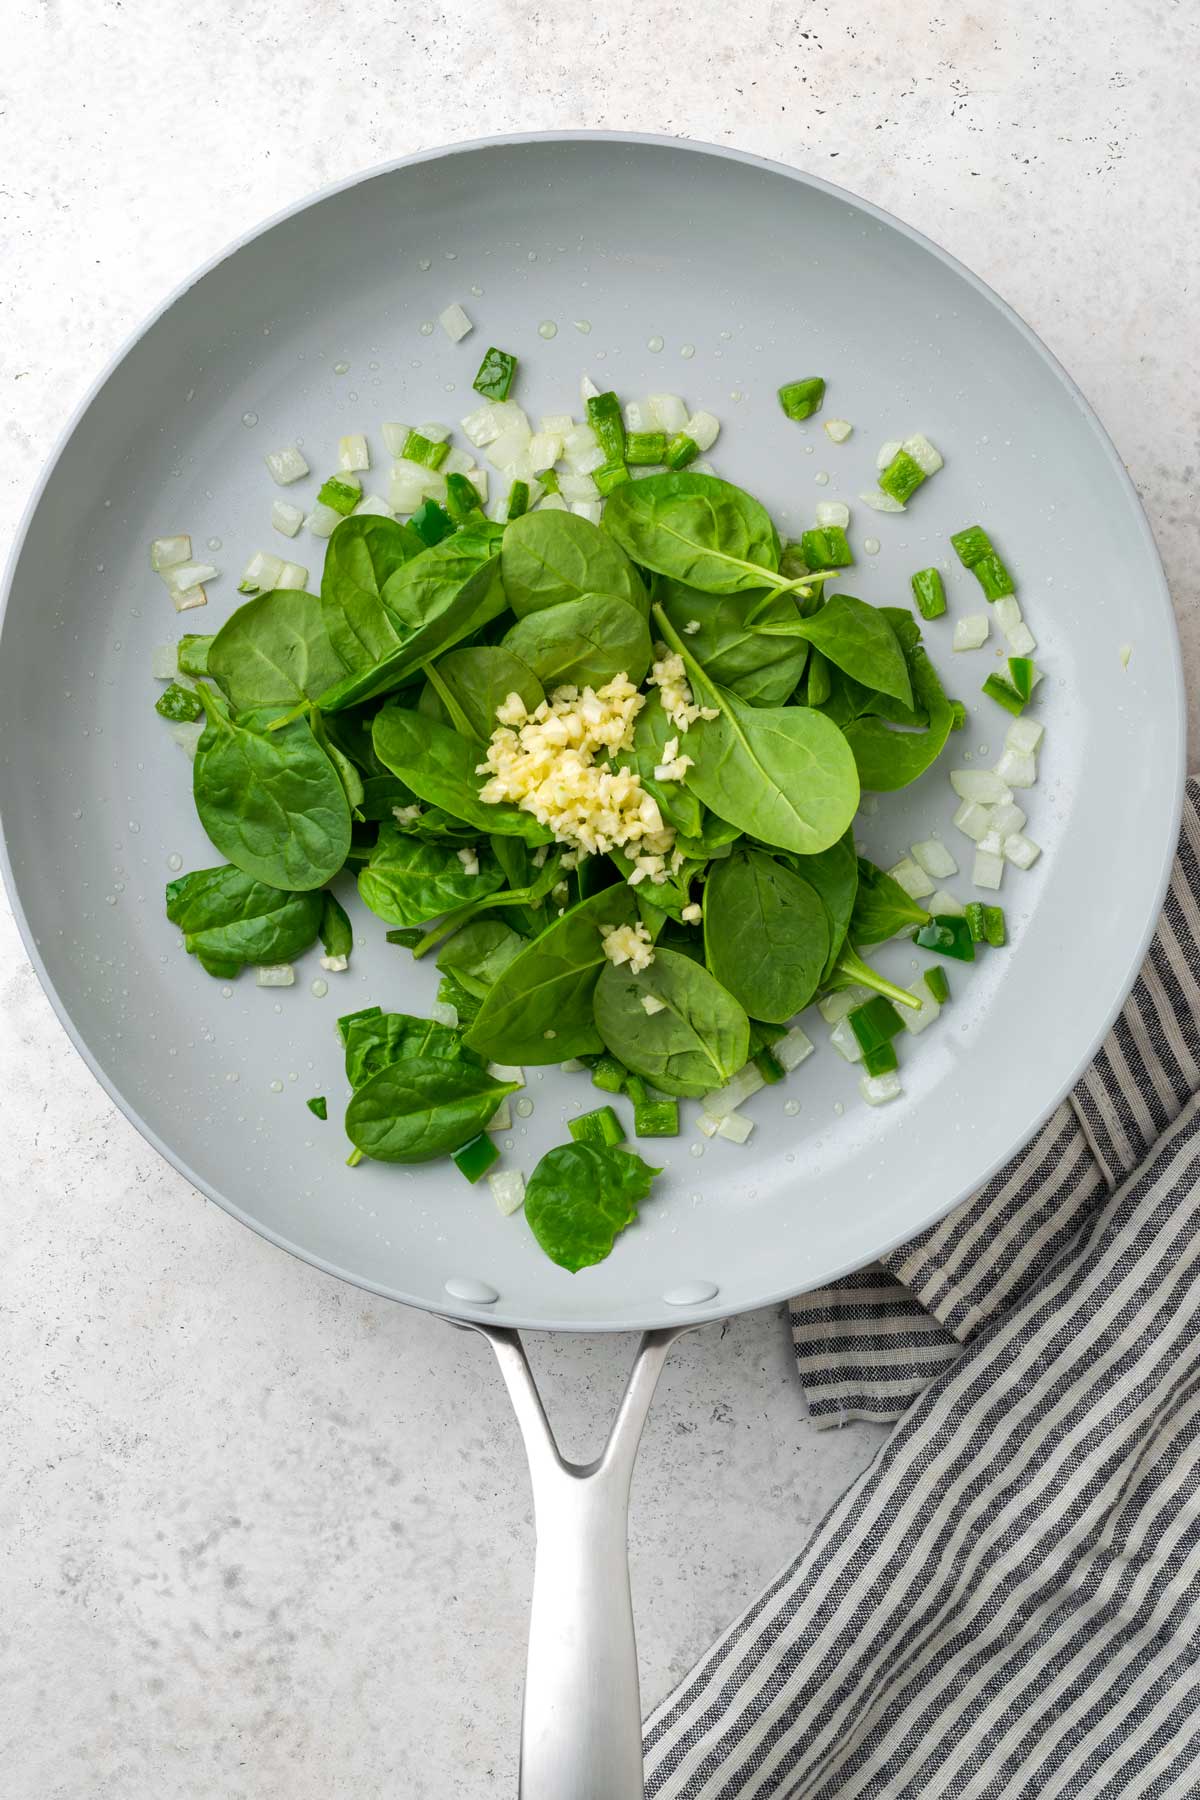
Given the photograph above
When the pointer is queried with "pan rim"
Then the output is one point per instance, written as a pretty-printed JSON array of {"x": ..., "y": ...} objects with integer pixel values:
[{"x": 662, "y": 1315}]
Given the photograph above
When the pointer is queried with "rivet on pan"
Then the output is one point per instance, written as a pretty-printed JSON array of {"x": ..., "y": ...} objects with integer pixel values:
[
  {"x": 691, "y": 1293},
  {"x": 476, "y": 1293}
]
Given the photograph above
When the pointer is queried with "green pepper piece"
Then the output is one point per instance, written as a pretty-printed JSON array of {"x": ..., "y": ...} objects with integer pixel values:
[
  {"x": 801, "y": 399},
  {"x": 1003, "y": 692},
  {"x": 881, "y": 1060},
  {"x": 462, "y": 498},
  {"x": 875, "y": 1022},
  {"x": 994, "y": 928},
  {"x": 423, "y": 450},
  {"x": 599, "y": 1127},
  {"x": 1023, "y": 674},
  {"x": 475, "y": 1157},
  {"x": 657, "y": 1118},
  {"x": 902, "y": 477},
  {"x": 340, "y": 495},
  {"x": 431, "y": 522},
  {"x": 604, "y": 417},
  {"x": 970, "y": 544},
  {"x": 609, "y": 1075},
  {"x": 769, "y": 1065},
  {"x": 179, "y": 704},
  {"x": 518, "y": 499},
  {"x": 929, "y": 593},
  {"x": 645, "y": 447},
  {"x": 826, "y": 548},
  {"x": 612, "y": 475},
  {"x": 948, "y": 935},
  {"x": 938, "y": 983},
  {"x": 318, "y": 1107},
  {"x": 495, "y": 376}
]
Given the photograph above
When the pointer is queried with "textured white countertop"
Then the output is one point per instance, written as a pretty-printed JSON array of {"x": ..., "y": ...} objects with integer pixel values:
[{"x": 260, "y": 1535}]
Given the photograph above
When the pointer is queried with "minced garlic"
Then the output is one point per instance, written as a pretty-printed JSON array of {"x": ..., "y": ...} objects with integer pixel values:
[
  {"x": 630, "y": 944},
  {"x": 673, "y": 767},
  {"x": 544, "y": 761},
  {"x": 669, "y": 676}
]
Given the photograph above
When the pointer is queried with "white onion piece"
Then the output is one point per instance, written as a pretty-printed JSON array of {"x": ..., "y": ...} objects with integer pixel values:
[
  {"x": 833, "y": 512},
  {"x": 668, "y": 412},
  {"x": 943, "y": 902},
  {"x": 1018, "y": 768},
  {"x": 844, "y": 1041},
  {"x": 886, "y": 452},
  {"x": 703, "y": 428},
  {"x": 838, "y": 429},
  {"x": 934, "y": 858},
  {"x": 292, "y": 575},
  {"x": 286, "y": 518},
  {"x": 880, "y": 502},
  {"x": 187, "y": 735},
  {"x": 591, "y": 510},
  {"x": 989, "y": 869},
  {"x": 1021, "y": 851},
  {"x": 916, "y": 1022},
  {"x": 587, "y": 389},
  {"x": 184, "y": 599},
  {"x": 927, "y": 458},
  {"x": 323, "y": 520},
  {"x": 274, "y": 975},
  {"x": 792, "y": 1048},
  {"x": 286, "y": 465},
  {"x": 735, "y": 1127},
  {"x": 1007, "y": 820},
  {"x": 353, "y": 452},
  {"x": 724, "y": 1100},
  {"x": 508, "y": 1189},
  {"x": 458, "y": 462},
  {"x": 877, "y": 1090},
  {"x": 260, "y": 573},
  {"x": 1024, "y": 734},
  {"x": 371, "y": 506},
  {"x": 973, "y": 820},
  {"x": 168, "y": 552},
  {"x": 164, "y": 662},
  {"x": 395, "y": 436},
  {"x": 501, "y": 1119},
  {"x": 455, "y": 323},
  {"x": 912, "y": 878},
  {"x": 983, "y": 785},
  {"x": 971, "y": 633}
]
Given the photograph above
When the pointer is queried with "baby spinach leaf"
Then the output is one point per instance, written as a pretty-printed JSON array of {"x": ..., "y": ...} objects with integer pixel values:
[
  {"x": 887, "y": 759},
  {"x": 455, "y": 607},
  {"x": 696, "y": 528},
  {"x": 481, "y": 677},
  {"x": 479, "y": 954},
  {"x": 784, "y": 775},
  {"x": 274, "y": 651},
  {"x": 834, "y": 874},
  {"x": 549, "y": 557},
  {"x": 382, "y": 794},
  {"x": 439, "y": 766},
  {"x": 271, "y": 801},
  {"x": 540, "y": 1010},
  {"x": 337, "y": 933},
  {"x": 347, "y": 771},
  {"x": 759, "y": 669},
  {"x": 582, "y": 643},
  {"x": 375, "y": 1040},
  {"x": 418, "y": 590},
  {"x": 766, "y": 934},
  {"x": 408, "y": 882},
  {"x": 421, "y": 1107},
  {"x": 581, "y": 1196},
  {"x": 854, "y": 636},
  {"x": 653, "y": 729},
  {"x": 882, "y": 907},
  {"x": 228, "y": 919},
  {"x": 696, "y": 1042},
  {"x": 363, "y": 553}
]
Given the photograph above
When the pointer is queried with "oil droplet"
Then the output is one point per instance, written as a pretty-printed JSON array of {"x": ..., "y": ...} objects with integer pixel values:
[
  {"x": 791, "y": 1108},
  {"x": 547, "y": 329},
  {"x": 654, "y": 343},
  {"x": 341, "y": 368},
  {"x": 871, "y": 546},
  {"x": 727, "y": 335},
  {"x": 450, "y": 255},
  {"x": 687, "y": 351},
  {"x": 531, "y": 256},
  {"x": 698, "y": 1149},
  {"x": 426, "y": 327},
  {"x": 524, "y": 1109},
  {"x": 110, "y": 899},
  {"x": 476, "y": 289},
  {"x": 838, "y": 1108},
  {"x": 277, "y": 1087},
  {"x": 249, "y": 419},
  {"x": 424, "y": 263},
  {"x": 293, "y": 1075},
  {"x": 232, "y": 1075},
  {"x": 320, "y": 988},
  {"x": 227, "y": 993},
  {"x": 736, "y": 394},
  {"x": 214, "y": 543},
  {"x": 821, "y": 478},
  {"x": 583, "y": 326},
  {"x": 174, "y": 861}
]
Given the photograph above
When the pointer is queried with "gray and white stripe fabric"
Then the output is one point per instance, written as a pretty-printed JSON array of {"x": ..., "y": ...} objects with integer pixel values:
[{"x": 1006, "y": 1604}]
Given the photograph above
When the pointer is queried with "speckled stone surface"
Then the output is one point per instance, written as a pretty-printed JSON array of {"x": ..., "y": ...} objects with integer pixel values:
[{"x": 260, "y": 1535}]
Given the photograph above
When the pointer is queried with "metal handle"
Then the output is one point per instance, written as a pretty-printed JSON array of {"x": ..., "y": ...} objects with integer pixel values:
[{"x": 581, "y": 1728}]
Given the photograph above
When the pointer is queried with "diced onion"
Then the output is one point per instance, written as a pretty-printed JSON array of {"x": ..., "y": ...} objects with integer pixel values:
[
  {"x": 323, "y": 520},
  {"x": 335, "y": 965},
  {"x": 1006, "y": 820},
  {"x": 587, "y": 389},
  {"x": 438, "y": 434},
  {"x": 990, "y": 844},
  {"x": 934, "y": 858},
  {"x": 736, "y": 1127},
  {"x": 260, "y": 573},
  {"x": 651, "y": 1004},
  {"x": 1018, "y": 768},
  {"x": 577, "y": 487},
  {"x": 912, "y": 878},
  {"x": 637, "y": 415},
  {"x": 506, "y": 1072},
  {"x": 588, "y": 461},
  {"x": 187, "y": 736},
  {"x": 184, "y": 599},
  {"x": 971, "y": 633},
  {"x": 443, "y": 1013},
  {"x": 168, "y": 552},
  {"x": 1021, "y": 851},
  {"x": 989, "y": 869},
  {"x": 479, "y": 428},
  {"x": 286, "y": 518},
  {"x": 353, "y": 452},
  {"x": 512, "y": 444},
  {"x": 927, "y": 459},
  {"x": 286, "y": 465},
  {"x": 983, "y": 785},
  {"x": 973, "y": 820},
  {"x": 545, "y": 448},
  {"x": 292, "y": 575},
  {"x": 708, "y": 1127},
  {"x": 844, "y": 1041},
  {"x": 886, "y": 452},
  {"x": 833, "y": 1007},
  {"x": 190, "y": 574},
  {"x": 479, "y": 481},
  {"x": 739, "y": 1087},
  {"x": 164, "y": 662},
  {"x": 458, "y": 462},
  {"x": 577, "y": 441},
  {"x": 591, "y": 510},
  {"x": 833, "y": 512},
  {"x": 274, "y": 975},
  {"x": 877, "y": 1090},
  {"x": 916, "y": 1022},
  {"x": 668, "y": 413},
  {"x": 395, "y": 436},
  {"x": 1024, "y": 734},
  {"x": 880, "y": 502},
  {"x": 455, "y": 322},
  {"x": 508, "y": 1189},
  {"x": 944, "y": 902},
  {"x": 501, "y": 1119},
  {"x": 792, "y": 1048},
  {"x": 838, "y": 429},
  {"x": 703, "y": 428},
  {"x": 373, "y": 506},
  {"x": 552, "y": 503},
  {"x": 1020, "y": 639}
]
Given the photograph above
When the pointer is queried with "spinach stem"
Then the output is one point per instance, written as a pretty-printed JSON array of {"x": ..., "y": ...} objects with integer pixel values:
[
  {"x": 851, "y": 967},
  {"x": 458, "y": 717},
  {"x": 289, "y": 718}
]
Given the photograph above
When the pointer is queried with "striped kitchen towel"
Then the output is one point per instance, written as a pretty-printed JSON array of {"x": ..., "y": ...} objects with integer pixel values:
[{"x": 1006, "y": 1604}]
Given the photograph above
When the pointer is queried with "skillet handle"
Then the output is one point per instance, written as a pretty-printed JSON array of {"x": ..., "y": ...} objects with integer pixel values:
[{"x": 581, "y": 1728}]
